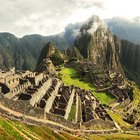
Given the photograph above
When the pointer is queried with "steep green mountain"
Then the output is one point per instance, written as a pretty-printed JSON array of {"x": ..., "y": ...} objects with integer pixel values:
[
  {"x": 23, "y": 53},
  {"x": 96, "y": 43},
  {"x": 12, "y": 53}
]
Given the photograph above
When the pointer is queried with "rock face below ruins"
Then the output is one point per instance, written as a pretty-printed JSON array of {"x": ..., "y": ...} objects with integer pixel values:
[{"x": 96, "y": 43}]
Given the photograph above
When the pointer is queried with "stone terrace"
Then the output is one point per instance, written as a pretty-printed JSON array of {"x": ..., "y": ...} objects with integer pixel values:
[
  {"x": 50, "y": 95},
  {"x": 105, "y": 80}
]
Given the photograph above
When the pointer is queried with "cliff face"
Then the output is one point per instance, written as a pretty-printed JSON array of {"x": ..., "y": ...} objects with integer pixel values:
[
  {"x": 72, "y": 53},
  {"x": 97, "y": 44},
  {"x": 130, "y": 60}
]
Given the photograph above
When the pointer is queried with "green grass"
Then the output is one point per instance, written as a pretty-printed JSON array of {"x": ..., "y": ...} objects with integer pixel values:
[
  {"x": 118, "y": 119},
  {"x": 104, "y": 98},
  {"x": 9, "y": 130},
  {"x": 79, "y": 117},
  {"x": 70, "y": 137},
  {"x": 114, "y": 137},
  {"x": 136, "y": 96},
  {"x": 23, "y": 128},
  {"x": 72, "y": 113},
  {"x": 70, "y": 77},
  {"x": 4, "y": 135},
  {"x": 39, "y": 131},
  {"x": 46, "y": 133}
]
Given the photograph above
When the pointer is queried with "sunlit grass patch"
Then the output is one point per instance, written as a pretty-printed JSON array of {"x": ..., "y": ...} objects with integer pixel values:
[{"x": 70, "y": 77}]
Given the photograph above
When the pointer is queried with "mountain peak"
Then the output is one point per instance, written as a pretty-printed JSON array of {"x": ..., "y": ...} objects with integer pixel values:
[
  {"x": 94, "y": 18},
  {"x": 50, "y": 51},
  {"x": 92, "y": 24}
]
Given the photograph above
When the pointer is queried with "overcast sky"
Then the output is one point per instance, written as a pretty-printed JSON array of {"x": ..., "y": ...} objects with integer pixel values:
[{"x": 47, "y": 17}]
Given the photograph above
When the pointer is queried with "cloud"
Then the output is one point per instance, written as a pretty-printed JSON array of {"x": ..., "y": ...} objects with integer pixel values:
[
  {"x": 90, "y": 3},
  {"x": 41, "y": 16},
  {"x": 46, "y": 16}
]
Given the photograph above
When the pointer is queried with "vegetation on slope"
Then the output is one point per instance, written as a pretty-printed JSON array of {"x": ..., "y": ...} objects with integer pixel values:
[
  {"x": 50, "y": 51},
  {"x": 72, "y": 114},
  {"x": 114, "y": 137},
  {"x": 136, "y": 96},
  {"x": 14, "y": 130},
  {"x": 118, "y": 119}
]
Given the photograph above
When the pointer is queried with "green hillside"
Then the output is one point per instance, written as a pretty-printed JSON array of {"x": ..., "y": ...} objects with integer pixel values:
[{"x": 14, "y": 130}]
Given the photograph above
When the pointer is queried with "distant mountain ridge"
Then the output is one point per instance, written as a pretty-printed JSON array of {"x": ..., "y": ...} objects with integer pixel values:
[{"x": 125, "y": 29}]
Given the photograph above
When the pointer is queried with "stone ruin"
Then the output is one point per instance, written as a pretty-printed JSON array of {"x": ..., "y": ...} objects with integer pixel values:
[
  {"x": 49, "y": 94},
  {"x": 105, "y": 80}
]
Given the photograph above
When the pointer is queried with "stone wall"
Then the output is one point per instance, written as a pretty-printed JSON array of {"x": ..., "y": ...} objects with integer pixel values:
[
  {"x": 13, "y": 92},
  {"x": 38, "y": 78},
  {"x": 36, "y": 97},
  {"x": 51, "y": 99},
  {"x": 70, "y": 102},
  {"x": 99, "y": 122},
  {"x": 22, "y": 106},
  {"x": 61, "y": 120}
]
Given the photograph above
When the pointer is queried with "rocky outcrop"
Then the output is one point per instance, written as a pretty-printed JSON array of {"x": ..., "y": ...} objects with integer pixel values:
[
  {"x": 50, "y": 51},
  {"x": 96, "y": 43},
  {"x": 46, "y": 66}
]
